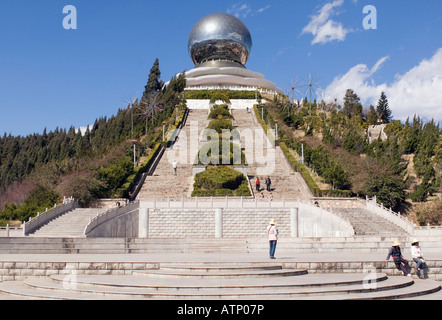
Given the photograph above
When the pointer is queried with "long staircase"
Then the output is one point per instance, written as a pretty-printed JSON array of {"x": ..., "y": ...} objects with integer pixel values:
[
  {"x": 264, "y": 160},
  {"x": 163, "y": 183}
]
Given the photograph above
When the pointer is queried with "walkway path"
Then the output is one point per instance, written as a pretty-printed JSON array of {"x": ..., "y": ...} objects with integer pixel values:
[
  {"x": 164, "y": 183},
  {"x": 267, "y": 161}
]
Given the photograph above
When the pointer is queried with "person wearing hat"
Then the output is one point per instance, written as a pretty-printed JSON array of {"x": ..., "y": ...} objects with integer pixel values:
[
  {"x": 272, "y": 231},
  {"x": 416, "y": 254},
  {"x": 399, "y": 260}
]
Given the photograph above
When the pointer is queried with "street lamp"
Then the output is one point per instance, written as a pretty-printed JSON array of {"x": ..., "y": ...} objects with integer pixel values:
[
  {"x": 276, "y": 130},
  {"x": 164, "y": 128},
  {"x": 135, "y": 152},
  {"x": 302, "y": 150}
]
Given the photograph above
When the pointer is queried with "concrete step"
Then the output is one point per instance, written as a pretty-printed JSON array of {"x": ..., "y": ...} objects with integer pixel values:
[
  {"x": 285, "y": 245},
  {"x": 220, "y": 274},
  {"x": 300, "y": 287},
  {"x": 70, "y": 224}
]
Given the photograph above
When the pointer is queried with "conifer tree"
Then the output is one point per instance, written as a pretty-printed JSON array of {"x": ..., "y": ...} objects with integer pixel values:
[
  {"x": 154, "y": 84},
  {"x": 383, "y": 110},
  {"x": 352, "y": 106},
  {"x": 372, "y": 116}
]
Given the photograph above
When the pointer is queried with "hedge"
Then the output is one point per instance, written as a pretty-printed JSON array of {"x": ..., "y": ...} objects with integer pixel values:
[
  {"x": 220, "y": 182},
  {"x": 223, "y": 154},
  {"x": 231, "y": 94},
  {"x": 220, "y": 112}
]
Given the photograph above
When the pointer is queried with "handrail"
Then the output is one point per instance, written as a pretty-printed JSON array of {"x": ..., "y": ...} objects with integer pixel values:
[
  {"x": 390, "y": 215},
  {"x": 109, "y": 215},
  {"x": 34, "y": 223}
]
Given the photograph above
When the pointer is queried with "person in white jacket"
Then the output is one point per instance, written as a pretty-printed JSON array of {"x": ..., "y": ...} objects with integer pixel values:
[
  {"x": 416, "y": 254},
  {"x": 272, "y": 231}
]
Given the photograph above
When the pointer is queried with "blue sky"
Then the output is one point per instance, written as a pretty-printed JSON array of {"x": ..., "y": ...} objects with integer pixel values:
[{"x": 51, "y": 77}]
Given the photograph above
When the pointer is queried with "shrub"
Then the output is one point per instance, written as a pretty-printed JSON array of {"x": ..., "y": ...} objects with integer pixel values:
[
  {"x": 213, "y": 153},
  {"x": 220, "y": 182},
  {"x": 231, "y": 94},
  {"x": 220, "y": 112},
  {"x": 220, "y": 124},
  {"x": 219, "y": 178}
]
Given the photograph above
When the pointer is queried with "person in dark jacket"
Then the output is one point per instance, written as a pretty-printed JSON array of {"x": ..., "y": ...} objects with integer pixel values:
[
  {"x": 399, "y": 260},
  {"x": 268, "y": 184}
]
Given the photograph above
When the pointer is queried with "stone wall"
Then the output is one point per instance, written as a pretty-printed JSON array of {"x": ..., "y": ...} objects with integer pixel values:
[
  {"x": 239, "y": 223},
  {"x": 15, "y": 271}
]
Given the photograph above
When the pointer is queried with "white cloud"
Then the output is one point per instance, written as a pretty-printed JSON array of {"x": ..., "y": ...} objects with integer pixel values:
[
  {"x": 323, "y": 28},
  {"x": 418, "y": 91},
  {"x": 244, "y": 10},
  {"x": 240, "y": 10},
  {"x": 263, "y": 9}
]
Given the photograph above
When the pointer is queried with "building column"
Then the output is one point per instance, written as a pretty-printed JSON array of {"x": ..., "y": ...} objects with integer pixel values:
[
  {"x": 294, "y": 222},
  {"x": 219, "y": 223},
  {"x": 143, "y": 223}
]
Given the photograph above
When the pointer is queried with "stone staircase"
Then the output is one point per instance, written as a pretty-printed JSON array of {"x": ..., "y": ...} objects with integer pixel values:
[
  {"x": 219, "y": 281},
  {"x": 68, "y": 225},
  {"x": 163, "y": 183},
  {"x": 365, "y": 222},
  {"x": 271, "y": 162}
]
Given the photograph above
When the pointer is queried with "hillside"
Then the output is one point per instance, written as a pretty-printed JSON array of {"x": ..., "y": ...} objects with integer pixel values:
[{"x": 402, "y": 168}]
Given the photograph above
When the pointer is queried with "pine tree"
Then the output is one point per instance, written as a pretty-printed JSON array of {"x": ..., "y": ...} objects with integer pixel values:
[
  {"x": 383, "y": 110},
  {"x": 352, "y": 106},
  {"x": 154, "y": 84},
  {"x": 372, "y": 116}
]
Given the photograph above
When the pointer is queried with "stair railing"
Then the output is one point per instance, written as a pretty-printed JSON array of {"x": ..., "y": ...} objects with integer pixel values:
[
  {"x": 33, "y": 224},
  {"x": 388, "y": 214}
]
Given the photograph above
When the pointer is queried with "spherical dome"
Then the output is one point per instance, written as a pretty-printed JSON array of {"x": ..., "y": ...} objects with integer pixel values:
[{"x": 220, "y": 36}]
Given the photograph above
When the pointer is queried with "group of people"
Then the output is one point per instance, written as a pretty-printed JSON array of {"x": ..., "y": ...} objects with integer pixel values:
[
  {"x": 268, "y": 183},
  {"x": 395, "y": 252},
  {"x": 402, "y": 263}
]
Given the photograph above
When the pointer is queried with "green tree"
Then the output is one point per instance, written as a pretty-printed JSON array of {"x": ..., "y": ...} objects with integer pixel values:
[
  {"x": 154, "y": 84},
  {"x": 388, "y": 189},
  {"x": 352, "y": 106},
  {"x": 353, "y": 140},
  {"x": 427, "y": 143},
  {"x": 372, "y": 116},
  {"x": 383, "y": 110},
  {"x": 428, "y": 187}
]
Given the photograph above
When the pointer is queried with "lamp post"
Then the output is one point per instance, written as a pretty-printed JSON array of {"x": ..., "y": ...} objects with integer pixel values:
[
  {"x": 302, "y": 150},
  {"x": 135, "y": 152},
  {"x": 164, "y": 128},
  {"x": 276, "y": 130}
]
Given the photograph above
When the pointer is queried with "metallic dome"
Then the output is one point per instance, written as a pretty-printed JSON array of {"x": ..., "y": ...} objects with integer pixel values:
[{"x": 220, "y": 36}]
